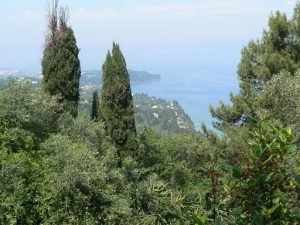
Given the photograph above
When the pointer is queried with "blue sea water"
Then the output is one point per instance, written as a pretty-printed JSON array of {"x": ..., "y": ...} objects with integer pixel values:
[{"x": 195, "y": 90}]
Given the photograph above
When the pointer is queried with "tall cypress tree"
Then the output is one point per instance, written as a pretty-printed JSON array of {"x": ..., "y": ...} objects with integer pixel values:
[
  {"x": 60, "y": 64},
  {"x": 95, "y": 107},
  {"x": 117, "y": 104}
]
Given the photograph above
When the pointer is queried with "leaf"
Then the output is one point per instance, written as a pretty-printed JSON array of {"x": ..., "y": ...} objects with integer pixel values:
[
  {"x": 200, "y": 220},
  {"x": 270, "y": 175},
  {"x": 237, "y": 211},
  {"x": 236, "y": 172},
  {"x": 228, "y": 187},
  {"x": 209, "y": 157},
  {"x": 270, "y": 211},
  {"x": 270, "y": 158}
]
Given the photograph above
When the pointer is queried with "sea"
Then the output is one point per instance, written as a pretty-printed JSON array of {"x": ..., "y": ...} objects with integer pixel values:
[{"x": 195, "y": 89}]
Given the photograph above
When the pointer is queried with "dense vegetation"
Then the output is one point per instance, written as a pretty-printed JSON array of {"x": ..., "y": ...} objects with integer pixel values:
[
  {"x": 61, "y": 169},
  {"x": 117, "y": 105},
  {"x": 166, "y": 116}
]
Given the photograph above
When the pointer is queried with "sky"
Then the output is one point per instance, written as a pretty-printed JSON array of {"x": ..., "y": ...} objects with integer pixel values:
[{"x": 153, "y": 35}]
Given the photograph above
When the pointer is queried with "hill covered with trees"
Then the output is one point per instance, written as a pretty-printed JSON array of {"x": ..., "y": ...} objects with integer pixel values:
[
  {"x": 94, "y": 77},
  {"x": 166, "y": 116},
  {"x": 150, "y": 112}
]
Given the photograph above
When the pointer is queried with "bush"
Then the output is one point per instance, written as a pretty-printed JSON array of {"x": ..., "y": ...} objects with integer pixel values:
[{"x": 263, "y": 190}]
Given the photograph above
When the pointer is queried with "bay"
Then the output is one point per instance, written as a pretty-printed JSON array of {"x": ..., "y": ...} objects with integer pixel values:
[{"x": 195, "y": 89}]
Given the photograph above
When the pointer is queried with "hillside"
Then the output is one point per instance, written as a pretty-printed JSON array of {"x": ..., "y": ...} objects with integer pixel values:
[
  {"x": 167, "y": 116},
  {"x": 150, "y": 112},
  {"x": 95, "y": 77},
  {"x": 87, "y": 76}
]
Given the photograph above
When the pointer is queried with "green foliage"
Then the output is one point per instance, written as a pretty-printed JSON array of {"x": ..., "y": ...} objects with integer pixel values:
[
  {"x": 59, "y": 169},
  {"x": 280, "y": 99},
  {"x": 27, "y": 117},
  {"x": 150, "y": 112},
  {"x": 83, "y": 179},
  {"x": 166, "y": 116},
  {"x": 16, "y": 140},
  {"x": 261, "y": 60},
  {"x": 263, "y": 190},
  {"x": 157, "y": 204},
  {"x": 60, "y": 64},
  {"x": 177, "y": 159},
  {"x": 214, "y": 171},
  {"x": 28, "y": 108},
  {"x": 117, "y": 105},
  {"x": 76, "y": 188},
  {"x": 19, "y": 184},
  {"x": 71, "y": 178},
  {"x": 95, "y": 107}
]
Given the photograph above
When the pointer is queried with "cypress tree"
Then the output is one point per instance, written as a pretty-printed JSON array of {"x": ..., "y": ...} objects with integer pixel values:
[
  {"x": 95, "y": 106},
  {"x": 117, "y": 104},
  {"x": 60, "y": 63}
]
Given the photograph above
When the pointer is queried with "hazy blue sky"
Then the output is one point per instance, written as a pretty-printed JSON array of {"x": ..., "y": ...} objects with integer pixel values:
[{"x": 153, "y": 34}]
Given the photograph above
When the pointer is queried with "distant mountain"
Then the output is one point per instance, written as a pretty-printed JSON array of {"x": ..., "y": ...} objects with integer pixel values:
[
  {"x": 142, "y": 76},
  {"x": 87, "y": 76},
  {"x": 6, "y": 72},
  {"x": 95, "y": 77},
  {"x": 5, "y": 68}
]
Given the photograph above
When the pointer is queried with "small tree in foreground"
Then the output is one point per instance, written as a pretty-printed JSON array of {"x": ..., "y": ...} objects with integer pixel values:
[{"x": 263, "y": 190}]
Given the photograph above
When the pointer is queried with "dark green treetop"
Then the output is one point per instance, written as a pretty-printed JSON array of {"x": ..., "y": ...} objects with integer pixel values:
[
  {"x": 95, "y": 107},
  {"x": 60, "y": 63},
  {"x": 117, "y": 104},
  {"x": 277, "y": 51}
]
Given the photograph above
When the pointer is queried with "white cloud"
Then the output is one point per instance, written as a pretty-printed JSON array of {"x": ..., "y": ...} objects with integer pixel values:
[
  {"x": 207, "y": 7},
  {"x": 32, "y": 15},
  {"x": 83, "y": 14},
  {"x": 184, "y": 10},
  {"x": 164, "y": 9},
  {"x": 291, "y": 2}
]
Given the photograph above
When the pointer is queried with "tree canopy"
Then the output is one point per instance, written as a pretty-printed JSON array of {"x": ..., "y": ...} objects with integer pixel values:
[
  {"x": 58, "y": 166},
  {"x": 60, "y": 63},
  {"x": 116, "y": 103},
  {"x": 277, "y": 51}
]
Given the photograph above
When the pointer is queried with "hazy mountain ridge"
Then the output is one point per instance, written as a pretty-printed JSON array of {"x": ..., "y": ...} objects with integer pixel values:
[
  {"x": 95, "y": 77},
  {"x": 87, "y": 76}
]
